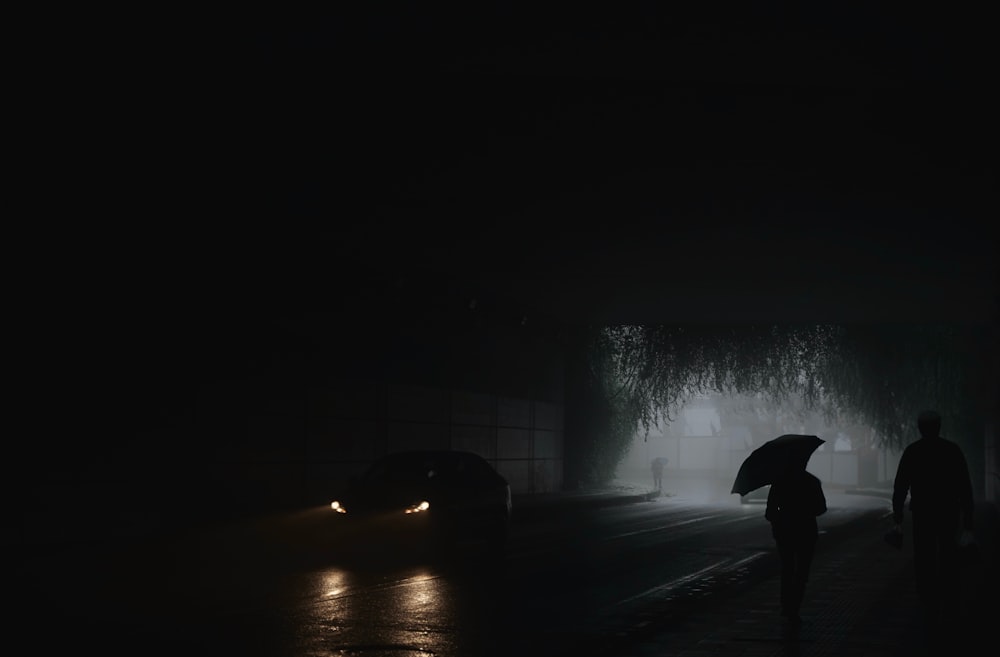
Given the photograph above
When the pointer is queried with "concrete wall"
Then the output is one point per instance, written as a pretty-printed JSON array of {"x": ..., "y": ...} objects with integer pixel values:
[
  {"x": 296, "y": 452},
  {"x": 391, "y": 361},
  {"x": 349, "y": 426},
  {"x": 222, "y": 410}
]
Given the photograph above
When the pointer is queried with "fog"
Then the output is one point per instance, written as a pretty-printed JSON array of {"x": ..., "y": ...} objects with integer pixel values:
[{"x": 704, "y": 446}]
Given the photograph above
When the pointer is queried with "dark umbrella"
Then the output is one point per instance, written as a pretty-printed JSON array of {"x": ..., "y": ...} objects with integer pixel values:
[{"x": 771, "y": 460}]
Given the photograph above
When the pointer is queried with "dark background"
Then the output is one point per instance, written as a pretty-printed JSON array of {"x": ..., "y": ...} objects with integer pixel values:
[
  {"x": 632, "y": 163},
  {"x": 629, "y": 163},
  {"x": 836, "y": 159}
]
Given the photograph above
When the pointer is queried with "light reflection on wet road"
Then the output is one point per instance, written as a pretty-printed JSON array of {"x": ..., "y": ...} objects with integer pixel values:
[{"x": 563, "y": 578}]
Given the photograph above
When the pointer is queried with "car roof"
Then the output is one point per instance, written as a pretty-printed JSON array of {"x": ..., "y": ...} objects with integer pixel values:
[
  {"x": 446, "y": 459},
  {"x": 422, "y": 453}
]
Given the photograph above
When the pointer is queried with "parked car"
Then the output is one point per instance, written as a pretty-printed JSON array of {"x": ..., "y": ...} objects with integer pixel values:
[{"x": 417, "y": 500}]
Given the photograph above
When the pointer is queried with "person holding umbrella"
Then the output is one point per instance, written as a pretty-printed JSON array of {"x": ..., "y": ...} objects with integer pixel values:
[
  {"x": 794, "y": 501},
  {"x": 793, "y": 504}
]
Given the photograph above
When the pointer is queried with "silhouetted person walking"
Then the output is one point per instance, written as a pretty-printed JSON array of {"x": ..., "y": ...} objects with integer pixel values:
[
  {"x": 793, "y": 503},
  {"x": 657, "y": 466},
  {"x": 935, "y": 474}
]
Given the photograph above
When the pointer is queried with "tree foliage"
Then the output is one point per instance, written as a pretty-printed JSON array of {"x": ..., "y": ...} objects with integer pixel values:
[
  {"x": 884, "y": 375},
  {"x": 663, "y": 366},
  {"x": 877, "y": 375}
]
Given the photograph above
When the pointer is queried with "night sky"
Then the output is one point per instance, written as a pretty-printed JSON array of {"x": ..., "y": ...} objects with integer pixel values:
[
  {"x": 634, "y": 164},
  {"x": 628, "y": 164}
]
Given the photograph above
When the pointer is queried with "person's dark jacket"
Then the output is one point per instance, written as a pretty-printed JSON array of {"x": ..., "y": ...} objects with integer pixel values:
[
  {"x": 793, "y": 503},
  {"x": 935, "y": 474}
]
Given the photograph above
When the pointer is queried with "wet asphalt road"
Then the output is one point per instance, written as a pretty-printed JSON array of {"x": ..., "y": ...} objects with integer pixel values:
[{"x": 566, "y": 582}]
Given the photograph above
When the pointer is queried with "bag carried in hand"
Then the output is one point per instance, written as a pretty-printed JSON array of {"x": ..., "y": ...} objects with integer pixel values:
[
  {"x": 894, "y": 538},
  {"x": 968, "y": 550}
]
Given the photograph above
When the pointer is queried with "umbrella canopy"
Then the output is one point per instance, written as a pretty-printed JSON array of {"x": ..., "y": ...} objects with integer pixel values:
[{"x": 771, "y": 460}]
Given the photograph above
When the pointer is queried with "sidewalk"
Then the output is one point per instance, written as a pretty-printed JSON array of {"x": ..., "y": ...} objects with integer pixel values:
[{"x": 860, "y": 601}]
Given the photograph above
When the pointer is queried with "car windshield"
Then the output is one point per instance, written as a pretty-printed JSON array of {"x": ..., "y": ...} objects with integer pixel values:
[{"x": 422, "y": 468}]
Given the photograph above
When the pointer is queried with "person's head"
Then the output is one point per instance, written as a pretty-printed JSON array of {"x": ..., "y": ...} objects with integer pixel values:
[
  {"x": 795, "y": 467},
  {"x": 929, "y": 424}
]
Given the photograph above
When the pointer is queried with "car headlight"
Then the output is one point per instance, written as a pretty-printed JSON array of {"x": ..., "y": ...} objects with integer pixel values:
[
  {"x": 417, "y": 508},
  {"x": 338, "y": 507}
]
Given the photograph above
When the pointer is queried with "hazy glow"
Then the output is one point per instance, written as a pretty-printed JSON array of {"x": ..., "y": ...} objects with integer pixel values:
[
  {"x": 707, "y": 442},
  {"x": 335, "y": 505},
  {"x": 417, "y": 508},
  {"x": 334, "y": 583}
]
